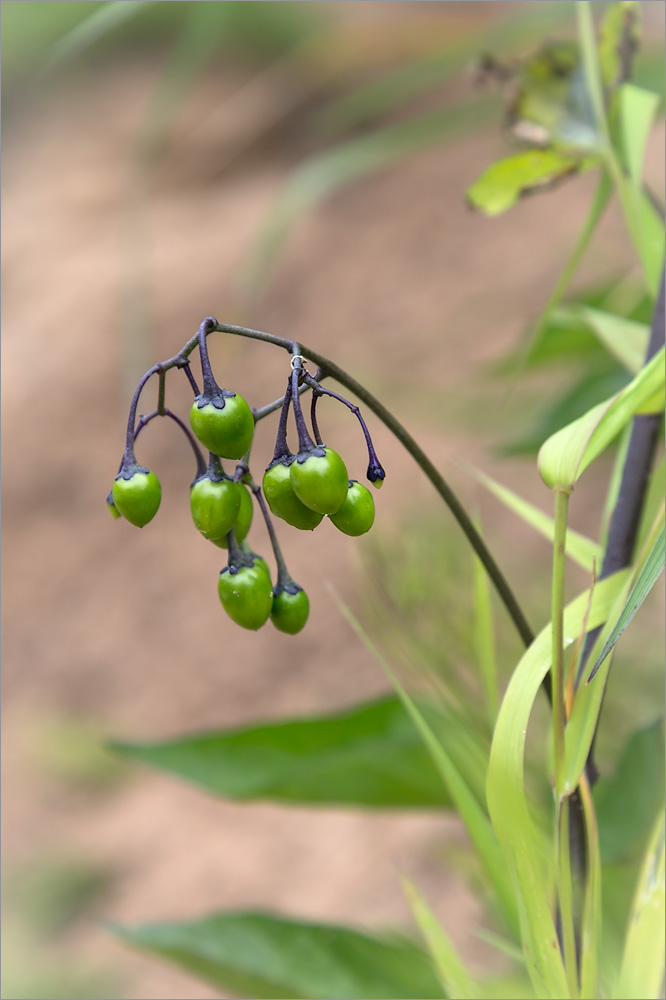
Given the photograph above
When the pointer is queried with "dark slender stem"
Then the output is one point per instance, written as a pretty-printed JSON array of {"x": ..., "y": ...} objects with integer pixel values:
[
  {"x": 210, "y": 386},
  {"x": 190, "y": 377},
  {"x": 375, "y": 470},
  {"x": 313, "y": 417},
  {"x": 128, "y": 456},
  {"x": 283, "y": 576},
  {"x": 201, "y": 464},
  {"x": 305, "y": 442},
  {"x": 161, "y": 393},
  {"x": 281, "y": 446}
]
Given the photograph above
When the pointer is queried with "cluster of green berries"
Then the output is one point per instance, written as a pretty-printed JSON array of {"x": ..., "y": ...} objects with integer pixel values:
[{"x": 300, "y": 488}]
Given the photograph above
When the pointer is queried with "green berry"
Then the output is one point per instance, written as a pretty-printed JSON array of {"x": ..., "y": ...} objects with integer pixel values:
[
  {"x": 243, "y": 521},
  {"x": 111, "y": 507},
  {"x": 137, "y": 494},
  {"x": 215, "y": 505},
  {"x": 246, "y": 594},
  {"x": 357, "y": 513},
  {"x": 259, "y": 560},
  {"x": 319, "y": 479},
  {"x": 291, "y": 608},
  {"x": 224, "y": 425},
  {"x": 282, "y": 500}
]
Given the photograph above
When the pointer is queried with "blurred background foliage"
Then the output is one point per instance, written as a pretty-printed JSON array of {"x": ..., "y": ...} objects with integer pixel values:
[{"x": 340, "y": 96}]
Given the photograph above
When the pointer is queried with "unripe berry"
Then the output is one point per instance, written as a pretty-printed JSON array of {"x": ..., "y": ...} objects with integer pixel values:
[
  {"x": 224, "y": 425},
  {"x": 243, "y": 521},
  {"x": 246, "y": 594},
  {"x": 282, "y": 500},
  {"x": 357, "y": 514},
  {"x": 319, "y": 479},
  {"x": 290, "y": 610},
  {"x": 137, "y": 494},
  {"x": 215, "y": 506}
]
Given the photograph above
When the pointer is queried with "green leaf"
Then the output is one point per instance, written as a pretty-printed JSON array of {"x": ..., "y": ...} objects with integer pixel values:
[
  {"x": 636, "y": 112},
  {"x": 650, "y": 573},
  {"x": 370, "y": 755},
  {"x": 582, "y": 550},
  {"x": 566, "y": 455},
  {"x": 259, "y": 955},
  {"x": 642, "y": 971},
  {"x": 451, "y": 969},
  {"x": 627, "y": 802},
  {"x": 625, "y": 339},
  {"x": 619, "y": 35},
  {"x": 507, "y": 800},
  {"x": 504, "y": 182}
]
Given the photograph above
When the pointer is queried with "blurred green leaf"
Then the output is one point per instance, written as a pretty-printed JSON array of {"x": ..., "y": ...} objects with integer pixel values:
[
  {"x": 627, "y": 802},
  {"x": 566, "y": 455},
  {"x": 619, "y": 37},
  {"x": 260, "y": 955},
  {"x": 326, "y": 172},
  {"x": 451, "y": 969},
  {"x": 552, "y": 107},
  {"x": 371, "y": 756},
  {"x": 642, "y": 971},
  {"x": 503, "y": 183},
  {"x": 625, "y": 339},
  {"x": 50, "y": 892}
]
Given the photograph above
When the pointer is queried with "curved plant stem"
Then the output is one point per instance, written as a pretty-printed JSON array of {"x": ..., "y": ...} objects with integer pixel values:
[
  {"x": 330, "y": 369},
  {"x": 557, "y": 608}
]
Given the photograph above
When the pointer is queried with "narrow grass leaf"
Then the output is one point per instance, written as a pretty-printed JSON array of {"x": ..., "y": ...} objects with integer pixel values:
[
  {"x": 648, "y": 576},
  {"x": 566, "y": 454},
  {"x": 260, "y": 955},
  {"x": 370, "y": 755},
  {"x": 452, "y": 972},
  {"x": 627, "y": 801},
  {"x": 590, "y": 942},
  {"x": 642, "y": 971},
  {"x": 581, "y": 549},
  {"x": 619, "y": 31},
  {"x": 504, "y": 182},
  {"x": 625, "y": 339},
  {"x": 473, "y": 816},
  {"x": 636, "y": 112},
  {"x": 507, "y": 800}
]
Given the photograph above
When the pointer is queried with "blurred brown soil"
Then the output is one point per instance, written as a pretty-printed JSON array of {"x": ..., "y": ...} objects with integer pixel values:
[{"x": 396, "y": 279}]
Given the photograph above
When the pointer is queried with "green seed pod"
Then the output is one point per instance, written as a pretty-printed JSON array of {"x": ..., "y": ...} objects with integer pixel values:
[
  {"x": 246, "y": 594},
  {"x": 137, "y": 494},
  {"x": 290, "y": 610},
  {"x": 224, "y": 425},
  {"x": 243, "y": 520},
  {"x": 357, "y": 513},
  {"x": 215, "y": 505},
  {"x": 282, "y": 500},
  {"x": 319, "y": 479}
]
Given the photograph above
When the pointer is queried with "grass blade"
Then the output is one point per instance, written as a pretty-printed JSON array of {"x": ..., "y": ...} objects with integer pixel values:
[
  {"x": 451, "y": 969},
  {"x": 642, "y": 971},
  {"x": 473, "y": 816},
  {"x": 648, "y": 576}
]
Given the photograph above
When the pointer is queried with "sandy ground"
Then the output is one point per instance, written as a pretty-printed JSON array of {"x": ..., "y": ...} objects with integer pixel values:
[{"x": 121, "y": 630}]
